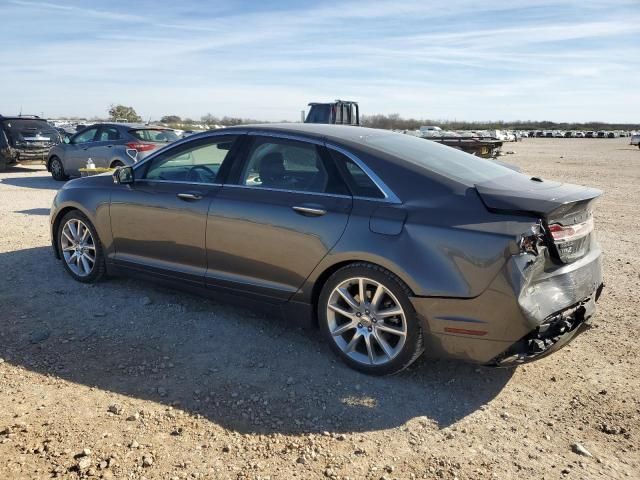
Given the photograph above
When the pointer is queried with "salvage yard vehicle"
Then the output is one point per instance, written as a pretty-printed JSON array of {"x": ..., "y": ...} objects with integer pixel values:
[
  {"x": 635, "y": 140},
  {"x": 393, "y": 245},
  {"x": 108, "y": 145},
  {"x": 25, "y": 139}
]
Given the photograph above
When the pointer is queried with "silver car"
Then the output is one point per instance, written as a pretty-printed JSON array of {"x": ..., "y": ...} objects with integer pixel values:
[{"x": 108, "y": 145}]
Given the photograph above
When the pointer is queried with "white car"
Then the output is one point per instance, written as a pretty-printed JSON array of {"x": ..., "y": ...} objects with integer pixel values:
[{"x": 635, "y": 140}]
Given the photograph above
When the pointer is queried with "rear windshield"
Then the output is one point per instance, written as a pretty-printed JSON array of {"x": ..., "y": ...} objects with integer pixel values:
[
  {"x": 445, "y": 161},
  {"x": 154, "y": 135},
  {"x": 29, "y": 130}
]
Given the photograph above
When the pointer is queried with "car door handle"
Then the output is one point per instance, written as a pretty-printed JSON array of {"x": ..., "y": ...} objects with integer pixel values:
[
  {"x": 189, "y": 196},
  {"x": 309, "y": 211}
]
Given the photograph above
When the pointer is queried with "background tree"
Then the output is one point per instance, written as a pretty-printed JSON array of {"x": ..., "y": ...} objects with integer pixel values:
[
  {"x": 171, "y": 119},
  {"x": 120, "y": 112}
]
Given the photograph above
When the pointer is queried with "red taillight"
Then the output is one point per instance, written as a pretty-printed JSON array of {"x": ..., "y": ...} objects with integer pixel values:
[
  {"x": 141, "y": 147},
  {"x": 561, "y": 233}
]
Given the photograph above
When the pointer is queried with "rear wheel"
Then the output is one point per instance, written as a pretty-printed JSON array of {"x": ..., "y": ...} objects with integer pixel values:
[
  {"x": 57, "y": 169},
  {"x": 366, "y": 316},
  {"x": 80, "y": 248}
]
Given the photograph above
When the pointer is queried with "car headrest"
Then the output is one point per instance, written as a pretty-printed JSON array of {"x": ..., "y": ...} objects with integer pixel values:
[{"x": 272, "y": 168}]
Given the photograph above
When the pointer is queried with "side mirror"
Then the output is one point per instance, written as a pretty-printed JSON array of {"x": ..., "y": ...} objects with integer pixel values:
[{"x": 123, "y": 175}]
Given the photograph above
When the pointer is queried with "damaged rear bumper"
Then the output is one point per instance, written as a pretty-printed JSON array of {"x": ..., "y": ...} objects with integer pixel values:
[
  {"x": 553, "y": 334},
  {"x": 530, "y": 310}
]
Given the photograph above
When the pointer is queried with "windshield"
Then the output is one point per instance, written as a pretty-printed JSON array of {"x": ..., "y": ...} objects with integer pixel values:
[
  {"x": 155, "y": 135},
  {"x": 19, "y": 130},
  {"x": 445, "y": 161}
]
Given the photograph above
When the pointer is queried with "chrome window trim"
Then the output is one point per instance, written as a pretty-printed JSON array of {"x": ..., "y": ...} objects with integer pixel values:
[
  {"x": 180, "y": 182},
  {"x": 285, "y": 190},
  {"x": 286, "y": 136},
  {"x": 389, "y": 195}
]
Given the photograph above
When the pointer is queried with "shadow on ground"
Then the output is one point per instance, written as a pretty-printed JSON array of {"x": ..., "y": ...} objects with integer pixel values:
[
  {"x": 34, "y": 211},
  {"x": 37, "y": 180},
  {"x": 244, "y": 370}
]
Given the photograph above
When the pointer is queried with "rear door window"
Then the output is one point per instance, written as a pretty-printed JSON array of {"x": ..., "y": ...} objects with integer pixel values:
[
  {"x": 154, "y": 135},
  {"x": 283, "y": 164},
  {"x": 108, "y": 134}
]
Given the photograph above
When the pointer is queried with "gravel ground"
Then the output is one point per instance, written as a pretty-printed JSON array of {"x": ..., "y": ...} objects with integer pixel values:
[{"x": 129, "y": 380}]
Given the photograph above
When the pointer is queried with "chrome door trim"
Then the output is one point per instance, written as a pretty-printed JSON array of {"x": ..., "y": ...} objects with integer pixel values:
[
  {"x": 389, "y": 195},
  {"x": 284, "y": 190},
  {"x": 179, "y": 182}
]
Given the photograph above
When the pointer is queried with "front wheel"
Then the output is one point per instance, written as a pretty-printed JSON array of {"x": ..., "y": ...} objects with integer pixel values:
[
  {"x": 367, "y": 317},
  {"x": 57, "y": 169},
  {"x": 80, "y": 248}
]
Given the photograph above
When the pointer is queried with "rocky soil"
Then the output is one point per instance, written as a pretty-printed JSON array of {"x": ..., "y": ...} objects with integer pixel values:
[{"x": 128, "y": 380}]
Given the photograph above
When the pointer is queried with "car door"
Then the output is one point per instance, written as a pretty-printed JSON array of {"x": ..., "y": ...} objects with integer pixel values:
[
  {"x": 77, "y": 151},
  {"x": 159, "y": 221},
  {"x": 102, "y": 151},
  {"x": 284, "y": 207}
]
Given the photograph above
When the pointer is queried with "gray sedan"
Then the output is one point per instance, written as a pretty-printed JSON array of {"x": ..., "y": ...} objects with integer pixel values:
[
  {"x": 393, "y": 245},
  {"x": 108, "y": 145}
]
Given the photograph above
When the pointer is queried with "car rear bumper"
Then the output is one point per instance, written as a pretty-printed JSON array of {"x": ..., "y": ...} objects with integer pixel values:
[{"x": 528, "y": 311}]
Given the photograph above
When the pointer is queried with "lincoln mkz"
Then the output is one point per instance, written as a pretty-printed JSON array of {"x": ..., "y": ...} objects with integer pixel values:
[{"x": 393, "y": 245}]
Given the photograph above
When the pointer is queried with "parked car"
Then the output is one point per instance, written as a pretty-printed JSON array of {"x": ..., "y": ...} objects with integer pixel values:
[
  {"x": 394, "y": 245},
  {"x": 25, "y": 139},
  {"x": 109, "y": 145},
  {"x": 635, "y": 139},
  {"x": 590, "y": 134},
  {"x": 579, "y": 134}
]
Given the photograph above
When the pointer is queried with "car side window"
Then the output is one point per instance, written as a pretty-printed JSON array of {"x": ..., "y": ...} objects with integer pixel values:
[
  {"x": 359, "y": 182},
  {"x": 194, "y": 164},
  {"x": 108, "y": 134},
  {"x": 85, "y": 137},
  {"x": 284, "y": 164}
]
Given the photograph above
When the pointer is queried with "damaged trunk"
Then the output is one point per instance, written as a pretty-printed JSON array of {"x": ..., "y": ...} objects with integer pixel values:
[{"x": 565, "y": 210}]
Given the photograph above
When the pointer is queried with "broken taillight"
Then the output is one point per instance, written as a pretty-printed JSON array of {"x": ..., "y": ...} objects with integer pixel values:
[
  {"x": 571, "y": 241},
  {"x": 569, "y": 233}
]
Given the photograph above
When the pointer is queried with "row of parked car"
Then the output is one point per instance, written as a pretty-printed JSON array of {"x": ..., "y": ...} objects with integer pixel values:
[{"x": 104, "y": 145}]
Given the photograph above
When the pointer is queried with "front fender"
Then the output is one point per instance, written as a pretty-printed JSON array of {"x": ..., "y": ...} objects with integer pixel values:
[{"x": 92, "y": 202}]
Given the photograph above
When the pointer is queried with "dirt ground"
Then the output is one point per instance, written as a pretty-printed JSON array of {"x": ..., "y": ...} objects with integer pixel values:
[{"x": 128, "y": 380}]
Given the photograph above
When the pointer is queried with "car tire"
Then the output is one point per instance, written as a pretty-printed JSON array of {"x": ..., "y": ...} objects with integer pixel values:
[
  {"x": 117, "y": 164},
  {"x": 57, "y": 169},
  {"x": 364, "y": 334},
  {"x": 77, "y": 248}
]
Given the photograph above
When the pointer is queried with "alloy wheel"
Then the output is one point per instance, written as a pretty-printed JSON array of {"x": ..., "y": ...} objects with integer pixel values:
[
  {"x": 56, "y": 168},
  {"x": 78, "y": 247},
  {"x": 366, "y": 321}
]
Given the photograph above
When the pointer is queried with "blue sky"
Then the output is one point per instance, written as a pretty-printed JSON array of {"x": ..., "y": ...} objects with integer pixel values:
[{"x": 465, "y": 60}]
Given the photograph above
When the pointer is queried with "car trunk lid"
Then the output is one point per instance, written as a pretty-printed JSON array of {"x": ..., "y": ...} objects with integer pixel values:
[{"x": 565, "y": 209}]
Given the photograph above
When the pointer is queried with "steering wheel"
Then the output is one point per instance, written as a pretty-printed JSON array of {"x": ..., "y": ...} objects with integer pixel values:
[{"x": 201, "y": 174}]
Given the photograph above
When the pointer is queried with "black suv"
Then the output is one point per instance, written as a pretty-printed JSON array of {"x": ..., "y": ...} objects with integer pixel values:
[{"x": 25, "y": 138}]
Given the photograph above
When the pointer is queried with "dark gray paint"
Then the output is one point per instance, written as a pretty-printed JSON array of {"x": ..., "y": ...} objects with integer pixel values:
[{"x": 460, "y": 258}]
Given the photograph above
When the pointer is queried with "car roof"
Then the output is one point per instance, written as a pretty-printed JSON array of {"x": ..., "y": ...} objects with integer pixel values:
[{"x": 338, "y": 133}]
